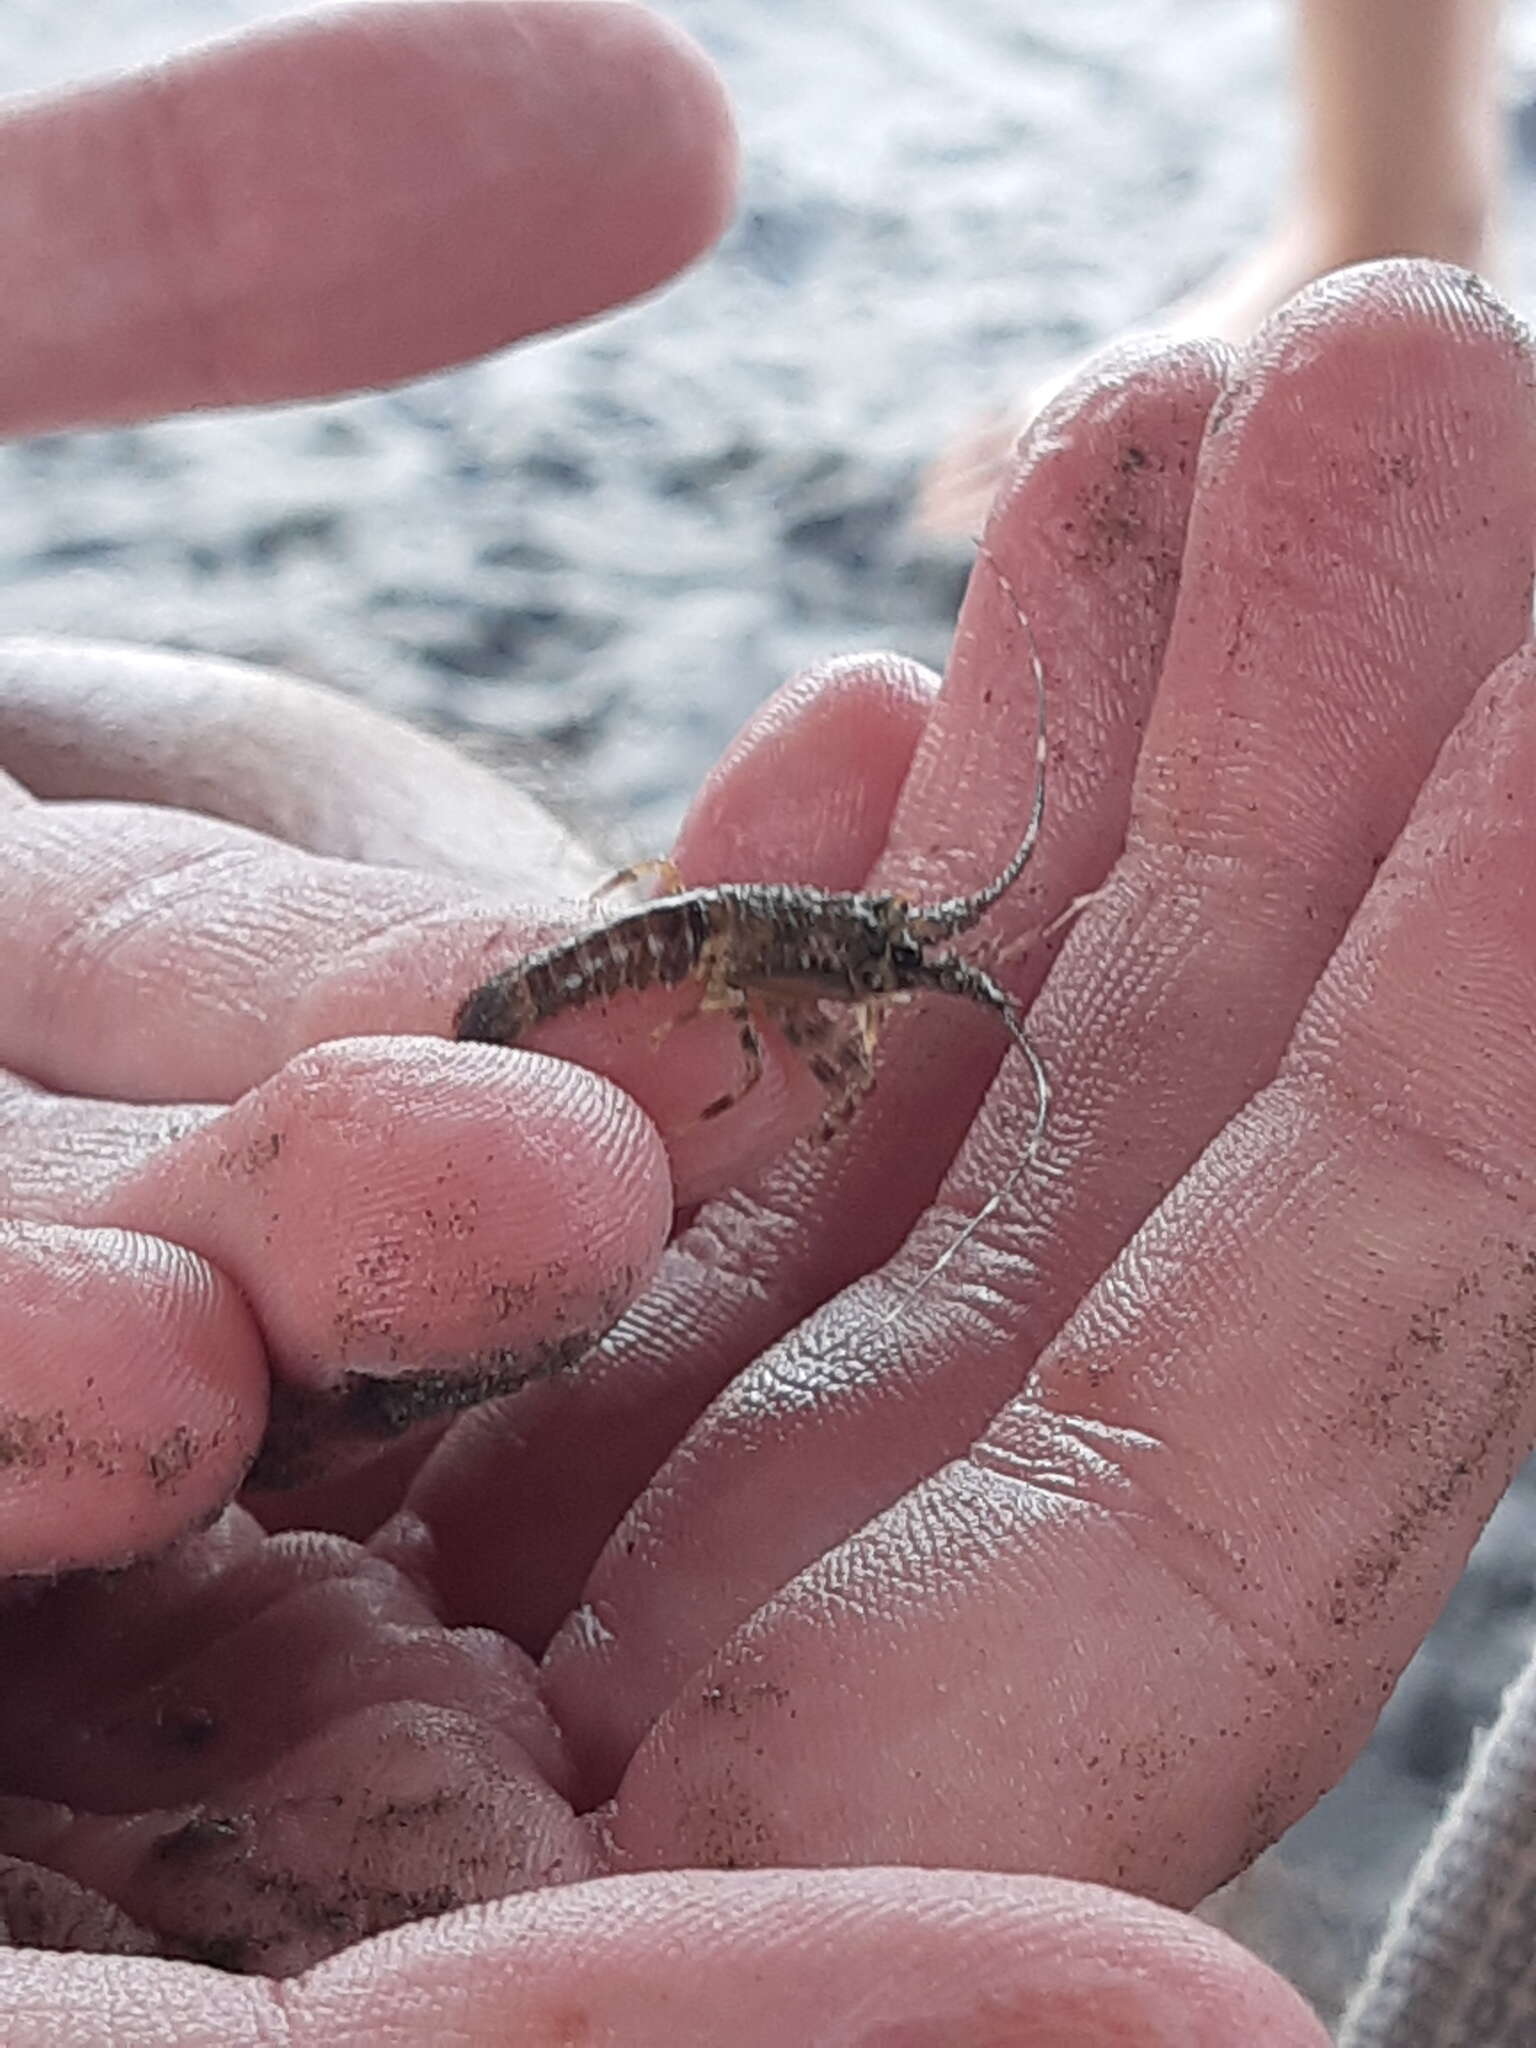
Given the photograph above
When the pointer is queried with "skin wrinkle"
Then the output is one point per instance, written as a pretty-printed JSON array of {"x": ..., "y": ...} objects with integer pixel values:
[
  {"x": 97, "y": 977},
  {"x": 85, "y": 952},
  {"x": 1374, "y": 1112},
  {"x": 1461, "y": 1289},
  {"x": 284, "y": 1884},
  {"x": 1071, "y": 1457}
]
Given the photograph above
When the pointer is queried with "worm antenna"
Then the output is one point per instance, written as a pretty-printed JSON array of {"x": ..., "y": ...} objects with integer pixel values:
[
  {"x": 959, "y": 913},
  {"x": 1001, "y": 1193}
]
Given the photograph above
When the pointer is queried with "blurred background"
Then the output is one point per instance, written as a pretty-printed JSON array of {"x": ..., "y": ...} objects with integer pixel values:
[{"x": 591, "y": 558}]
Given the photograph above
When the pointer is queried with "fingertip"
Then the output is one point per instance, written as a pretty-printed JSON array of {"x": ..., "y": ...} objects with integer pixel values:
[
  {"x": 806, "y": 791},
  {"x": 133, "y": 1390},
  {"x": 1407, "y": 336},
  {"x": 418, "y": 1225},
  {"x": 1391, "y": 291}
]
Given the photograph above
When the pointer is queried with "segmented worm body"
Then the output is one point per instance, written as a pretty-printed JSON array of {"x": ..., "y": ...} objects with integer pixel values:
[{"x": 792, "y": 950}]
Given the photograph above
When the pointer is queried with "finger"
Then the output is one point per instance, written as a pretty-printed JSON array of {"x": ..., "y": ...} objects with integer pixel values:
[
  {"x": 1337, "y": 611},
  {"x": 858, "y": 1955},
  {"x": 73, "y": 1160},
  {"x": 262, "y": 1750},
  {"x": 761, "y": 1959},
  {"x": 1342, "y": 1289},
  {"x": 348, "y": 200},
  {"x": 302, "y": 764},
  {"x": 132, "y": 1395},
  {"x": 416, "y": 1226},
  {"x": 189, "y": 1675}
]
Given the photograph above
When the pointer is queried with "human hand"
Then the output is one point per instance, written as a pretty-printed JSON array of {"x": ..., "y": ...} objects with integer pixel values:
[{"x": 162, "y": 1724}]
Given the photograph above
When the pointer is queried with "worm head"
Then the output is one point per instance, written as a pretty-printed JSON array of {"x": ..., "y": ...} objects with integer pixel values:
[{"x": 884, "y": 954}]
